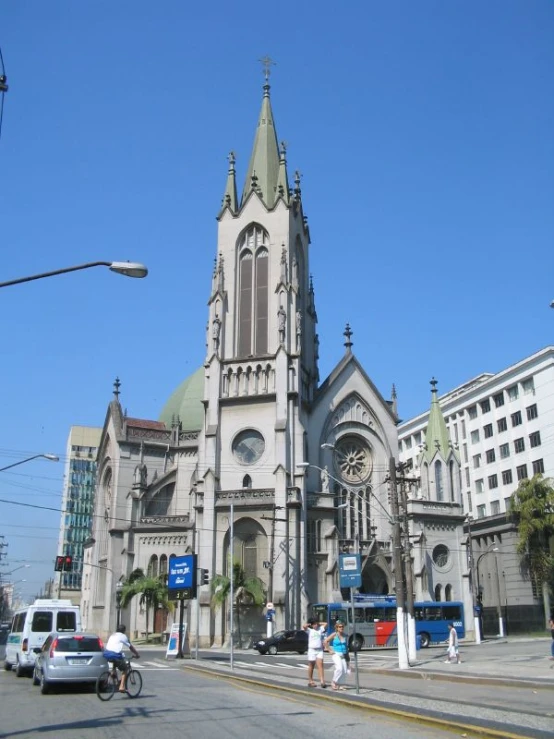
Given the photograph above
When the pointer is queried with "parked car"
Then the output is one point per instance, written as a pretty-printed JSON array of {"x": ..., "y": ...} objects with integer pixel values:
[
  {"x": 69, "y": 658},
  {"x": 284, "y": 641}
]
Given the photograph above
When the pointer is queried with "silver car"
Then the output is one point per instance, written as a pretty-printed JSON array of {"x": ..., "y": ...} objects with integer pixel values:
[{"x": 69, "y": 658}]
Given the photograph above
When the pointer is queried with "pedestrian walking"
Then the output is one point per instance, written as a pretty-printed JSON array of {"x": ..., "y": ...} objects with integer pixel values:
[
  {"x": 551, "y": 626},
  {"x": 453, "y": 649},
  {"x": 316, "y": 632},
  {"x": 338, "y": 649}
]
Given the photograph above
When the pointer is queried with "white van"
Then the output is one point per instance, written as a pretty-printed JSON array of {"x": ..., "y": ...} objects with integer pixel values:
[{"x": 31, "y": 625}]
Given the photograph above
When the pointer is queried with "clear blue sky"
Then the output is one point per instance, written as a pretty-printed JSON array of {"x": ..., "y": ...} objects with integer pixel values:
[{"x": 424, "y": 134}]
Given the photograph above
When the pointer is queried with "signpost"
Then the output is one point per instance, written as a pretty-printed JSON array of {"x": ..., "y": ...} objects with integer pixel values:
[
  {"x": 350, "y": 576},
  {"x": 181, "y": 586},
  {"x": 174, "y": 638}
]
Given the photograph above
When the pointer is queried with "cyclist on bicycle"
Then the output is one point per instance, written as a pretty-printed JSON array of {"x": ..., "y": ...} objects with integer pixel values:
[{"x": 114, "y": 652}]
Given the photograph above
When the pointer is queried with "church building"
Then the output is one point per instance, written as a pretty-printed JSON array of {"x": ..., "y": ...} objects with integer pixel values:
[{"x": 254, "y": 443}]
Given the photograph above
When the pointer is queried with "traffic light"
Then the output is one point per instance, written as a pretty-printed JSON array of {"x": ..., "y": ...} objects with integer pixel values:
[
  {"x": 64, "y": 563},
  {"x": 204, "y": 577}
]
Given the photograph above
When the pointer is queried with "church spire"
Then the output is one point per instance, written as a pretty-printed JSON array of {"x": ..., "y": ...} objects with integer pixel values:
[
  {"x": 230, "y": 194},
  {"x": 283, "y": 180},
  {"x": 264, "y": 161},
  {"x": 436, "y": 436}
]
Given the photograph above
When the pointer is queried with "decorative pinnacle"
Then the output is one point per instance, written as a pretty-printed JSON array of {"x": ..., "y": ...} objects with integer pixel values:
[
  {"x": 433, "y": 384},
  {"x": 347, "y": 334},
  {"x": 232, "y": 161},
  {"x": 116, "y": 387}
]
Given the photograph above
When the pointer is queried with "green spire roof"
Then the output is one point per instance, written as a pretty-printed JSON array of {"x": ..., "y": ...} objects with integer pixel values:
[
  {"x": 436, "y": 436},
  {"x": 264, "y": 161}
]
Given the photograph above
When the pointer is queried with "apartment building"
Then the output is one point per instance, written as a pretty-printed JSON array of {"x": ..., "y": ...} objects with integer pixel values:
[{"x": 502, "y": 426}]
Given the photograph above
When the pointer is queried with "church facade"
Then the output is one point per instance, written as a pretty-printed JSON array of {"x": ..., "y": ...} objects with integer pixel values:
[{"x": 253, "y": 442}]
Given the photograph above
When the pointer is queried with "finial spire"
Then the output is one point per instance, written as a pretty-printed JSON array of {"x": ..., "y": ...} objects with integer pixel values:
[
  {"x": 230, "y": 195},
  {"x": 116, "y": 386},
  {"x": 348, "y": 334},
  {"x": 433, "y": 384}
]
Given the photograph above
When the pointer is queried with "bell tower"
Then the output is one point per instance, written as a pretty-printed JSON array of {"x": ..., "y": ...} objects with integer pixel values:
[{"x": 261, "y": 369}]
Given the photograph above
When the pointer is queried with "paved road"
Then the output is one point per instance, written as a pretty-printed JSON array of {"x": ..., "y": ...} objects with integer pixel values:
[
  {"x": 178, "y": 703},
  {"x": 503, "y": 687}
]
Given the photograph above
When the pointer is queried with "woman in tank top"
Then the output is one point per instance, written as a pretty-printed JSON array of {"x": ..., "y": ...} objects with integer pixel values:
[{"x": 338, "y": 649}]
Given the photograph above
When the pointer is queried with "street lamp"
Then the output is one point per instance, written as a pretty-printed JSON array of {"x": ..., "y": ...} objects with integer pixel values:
[
  {"x": 3, "y": 574},
  {"x": 490, "y": 550},
  {"x": 51, "y": 457},
  {"x": 129, "y": 269},
  {"x": 118, "y": 592}
]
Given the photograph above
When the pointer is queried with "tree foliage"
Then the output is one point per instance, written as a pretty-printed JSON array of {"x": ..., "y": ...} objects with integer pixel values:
[
  {"x": 152, "y": 591},
  {"x": 532, "y": 506},
  {"x": 247, "y": 591}
]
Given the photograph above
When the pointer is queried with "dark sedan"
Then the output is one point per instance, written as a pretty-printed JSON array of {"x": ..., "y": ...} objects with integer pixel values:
[{"x": 284, "y": 641}]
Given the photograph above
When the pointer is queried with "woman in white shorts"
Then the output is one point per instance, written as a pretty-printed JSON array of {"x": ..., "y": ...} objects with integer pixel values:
[{"x": 316, "y": 632}]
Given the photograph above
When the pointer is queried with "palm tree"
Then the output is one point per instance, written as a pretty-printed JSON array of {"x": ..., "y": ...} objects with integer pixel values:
[
  {"x": 152, "y": 590},
  {"x": 532, "y": 505},
  {"x": 247, "y": 591}
]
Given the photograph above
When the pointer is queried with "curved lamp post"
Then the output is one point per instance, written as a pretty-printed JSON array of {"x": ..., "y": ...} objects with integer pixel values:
[
  {"x": 129, "y": 269},
  {"x": 51, "y": 457},
  {"x": 5, "y": 574}
]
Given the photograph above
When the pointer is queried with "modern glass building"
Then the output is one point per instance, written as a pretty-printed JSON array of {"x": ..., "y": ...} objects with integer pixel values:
[{"x": 77, "y": 503}]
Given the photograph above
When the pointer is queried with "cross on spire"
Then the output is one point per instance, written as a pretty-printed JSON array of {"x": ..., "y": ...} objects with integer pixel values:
[
  {"x": 267, "y": 62},
  {"x": 348, "y": 334},
  {"x": 116, "y": 386}
]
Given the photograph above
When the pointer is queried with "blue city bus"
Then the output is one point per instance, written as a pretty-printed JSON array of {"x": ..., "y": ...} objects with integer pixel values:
[{"x": 375, "y": 620}]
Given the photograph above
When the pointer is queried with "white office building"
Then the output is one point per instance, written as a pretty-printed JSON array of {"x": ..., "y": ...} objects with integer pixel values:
[{"x": 502, "y": 425}]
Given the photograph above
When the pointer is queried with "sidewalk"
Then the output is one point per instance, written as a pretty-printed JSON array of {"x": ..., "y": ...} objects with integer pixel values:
[{"x": 522, "y": 708}]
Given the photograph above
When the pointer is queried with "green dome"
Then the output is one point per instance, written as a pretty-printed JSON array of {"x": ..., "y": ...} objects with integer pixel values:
[{"x": 186, "y": 403}]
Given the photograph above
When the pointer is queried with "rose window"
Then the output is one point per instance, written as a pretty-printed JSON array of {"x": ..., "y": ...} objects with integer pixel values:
[{"x": 353, "y": 459}]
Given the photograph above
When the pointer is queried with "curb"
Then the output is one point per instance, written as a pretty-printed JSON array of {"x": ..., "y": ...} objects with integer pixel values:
[
  {"x": 471, "y": 679},
  {"x": 361, "y": 704}
]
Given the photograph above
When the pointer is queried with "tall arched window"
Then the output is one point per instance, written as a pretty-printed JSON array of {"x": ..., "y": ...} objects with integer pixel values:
[
  {"x": 438, "y": 592},
  {"x": 152, "y": 570},
  {"x": 438, "y": 481},
  {"x": 253, "y": 291},
  {"x": 451, "y": 479},
  {"x": 163, "y": 565},
  {"x": 448, "y": 592},
  {"x": 247, "y": 481}
]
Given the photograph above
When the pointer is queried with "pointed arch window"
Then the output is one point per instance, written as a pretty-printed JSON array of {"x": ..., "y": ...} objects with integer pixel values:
[
  {"x": 451, "y": 480},
  {"x": 247, "y": 481},
  {"x": 438, "y": 481},
  {"x": 253, "y": 292}
]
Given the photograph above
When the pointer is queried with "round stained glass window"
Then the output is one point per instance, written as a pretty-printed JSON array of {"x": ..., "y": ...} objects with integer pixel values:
[
  {"x": 353, "y": 460},
  {"x": 441, "y": 555},
  {"x": 248, "y": 446}
]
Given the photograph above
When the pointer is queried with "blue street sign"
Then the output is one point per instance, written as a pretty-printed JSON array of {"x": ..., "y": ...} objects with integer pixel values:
[
  {"x": 350, "y": 570},
  {"x": 182, "y": 574}
]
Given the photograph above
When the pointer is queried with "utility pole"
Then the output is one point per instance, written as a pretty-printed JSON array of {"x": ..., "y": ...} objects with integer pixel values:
[
  {"x": 408, "y": 569},
  {"x": 474, "y": 584},
  {"x": 403, "y": 662}
]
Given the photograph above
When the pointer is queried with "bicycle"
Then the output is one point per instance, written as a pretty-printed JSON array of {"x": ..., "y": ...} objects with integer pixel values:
[{"x": 108, "y": 682}]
